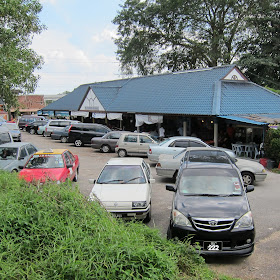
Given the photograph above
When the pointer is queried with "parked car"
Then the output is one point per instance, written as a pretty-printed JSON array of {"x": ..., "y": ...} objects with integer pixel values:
[
  {"x": 211, "y": 209},
  {"x": 15, "y": 154},
  {"x": 41, "y": 129},
  {"x": 23, "y": 120},
  {"x": 5, "y": 135},
  {"x": 61, "y": 135},
  {"x": 82, "y": 133},
  {"x": 176, "y": 144},
  {"x": 57, "y": 125},
  {"x": 168, "y": 166},
  {"x": 14, "y": 130},
  {"x": 124, "y": 188},
  {"x": 33, "y": 126},
  {"x": 106, "y": 143},
  {"x": 55, "y": 165},
  {"x": 134, "y": 144}
]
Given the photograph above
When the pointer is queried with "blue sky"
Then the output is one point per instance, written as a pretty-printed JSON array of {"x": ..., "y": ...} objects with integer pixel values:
[{"x": 78, "y": 45}]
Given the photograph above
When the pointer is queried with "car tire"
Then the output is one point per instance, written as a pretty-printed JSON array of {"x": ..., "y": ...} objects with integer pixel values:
[
  {"x": 122, "y": 153},
  {"x": 169, "y": 234},
  {"x": 149, "y": 215},
  {"x": 248, "y": 178},
  {"x": 32, "y": 131},
  {"x": 75, "y": 179},
  {"x": 105, "y": 149},
  {"x": 78, "y": 143},
  {"x": 63, "y": 139}
]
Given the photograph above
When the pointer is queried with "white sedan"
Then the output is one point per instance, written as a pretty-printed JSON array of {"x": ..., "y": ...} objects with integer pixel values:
[
  {"x": 124, "y": 188},
  {"x": 252, "y": 171}
]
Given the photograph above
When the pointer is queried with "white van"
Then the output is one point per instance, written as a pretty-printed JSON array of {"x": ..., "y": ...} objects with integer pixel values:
[{"x": 57, "y": 125}]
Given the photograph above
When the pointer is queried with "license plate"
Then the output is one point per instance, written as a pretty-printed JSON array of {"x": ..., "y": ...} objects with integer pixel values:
[{"x": 212, "y": 245}]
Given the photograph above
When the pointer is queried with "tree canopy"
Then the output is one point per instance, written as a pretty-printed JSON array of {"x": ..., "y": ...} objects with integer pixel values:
[
  {"x": 175, "y": 35},
  {"x": 19, "y": 22},
  {"x": 261, "y": 63}
]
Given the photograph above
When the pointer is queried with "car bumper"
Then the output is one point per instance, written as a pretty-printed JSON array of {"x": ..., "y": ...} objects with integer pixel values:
[
  {"x": 138, "y": 214},
  {"x": 260, "y": 177},
  {"x": 95, "y": 146},
  {"x": 166, "y": 172},
  {"x": 153, "y": 158},
  {"x": 234, "y": 243},
  {"x": 55, "y": 137}
]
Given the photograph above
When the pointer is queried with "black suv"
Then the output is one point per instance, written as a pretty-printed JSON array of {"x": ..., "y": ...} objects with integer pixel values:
[
  {"x": 211, "y": 208},
  {"x": 81, "y": 133}
]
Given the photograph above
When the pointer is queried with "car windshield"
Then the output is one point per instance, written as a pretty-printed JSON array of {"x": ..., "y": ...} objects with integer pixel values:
[
  {"x": 122, "y": 174},
  {"x": 210, "y": 182},
  {"x": 207, "y": 156},
  {"x": 164, "y": 141},
  {"x": 45, "y": 161},
  {"x": 8, "y": 153}
]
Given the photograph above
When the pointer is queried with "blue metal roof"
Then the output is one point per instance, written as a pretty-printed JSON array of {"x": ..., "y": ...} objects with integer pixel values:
[
  {"x": 193, "y": 92},
  {"x": 242, "y": 119}
]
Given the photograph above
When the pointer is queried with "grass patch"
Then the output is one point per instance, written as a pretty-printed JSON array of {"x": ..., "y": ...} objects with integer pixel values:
[
  {"x": 53, "y": 232},
  {"x": 275, "y": 170}
]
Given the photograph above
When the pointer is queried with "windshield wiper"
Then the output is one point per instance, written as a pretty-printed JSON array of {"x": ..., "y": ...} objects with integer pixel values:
[
  {"x": 132, "y": 179},
  {"x": 107, "y": 182},
  {"x": 201, "y": 194}
]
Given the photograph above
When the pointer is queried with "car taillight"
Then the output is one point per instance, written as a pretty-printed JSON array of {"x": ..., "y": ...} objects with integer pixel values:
[
  {"x": 158, "y": 165},
  {"x": 69, "y": 128},
  {"x": 117, "y": 146},
  {"x": 150, "y": 151}
]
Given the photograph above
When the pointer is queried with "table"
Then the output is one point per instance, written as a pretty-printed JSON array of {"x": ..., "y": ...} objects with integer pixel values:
[{"x": 248, "y": 150}]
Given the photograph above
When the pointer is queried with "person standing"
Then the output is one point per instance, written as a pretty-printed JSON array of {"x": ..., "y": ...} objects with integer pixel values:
[{"x": 161, "y": 133}]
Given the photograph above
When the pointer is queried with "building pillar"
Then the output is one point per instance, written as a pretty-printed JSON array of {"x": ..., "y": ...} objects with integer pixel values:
[
  {"x": 184, "y": 128},
  {"x": 216, "y": 132}
]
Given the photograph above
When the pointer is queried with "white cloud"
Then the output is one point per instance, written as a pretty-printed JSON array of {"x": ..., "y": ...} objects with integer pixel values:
[
  {"x": 67, "y": 65},
  {"x": 106, "y": 35}
]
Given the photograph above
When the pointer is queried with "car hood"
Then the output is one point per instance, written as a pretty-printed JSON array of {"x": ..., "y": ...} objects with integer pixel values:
[
  {"x": 212, "y": 207},
  {"x": 41, "y": 175},
  {"x": 6, "y": 163},
  {"x": 120, "y": 192}
]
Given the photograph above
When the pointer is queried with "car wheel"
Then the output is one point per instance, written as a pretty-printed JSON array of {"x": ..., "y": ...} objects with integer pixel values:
[
  {"x": 75, "y": 179},
  {"x": 63, "y": 139},
  {"x": 122, "y": 153},
  {"x": 149, "y": 216},
  {"x": 105, "y": 149},
  {"x": 32, "y": 131},
  {"x": 248, "y": 178},
  {"x": 78, "y": 143}
]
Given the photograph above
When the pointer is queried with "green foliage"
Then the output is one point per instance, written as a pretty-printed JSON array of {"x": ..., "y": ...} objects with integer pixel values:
[
  {"x": 18, "y": 23},
  {"x": 160, "y": 35},
  {"x": 272, "y": 145},
  {"x": 261, "y": 61},
  {"x": 54, "y": 232}
]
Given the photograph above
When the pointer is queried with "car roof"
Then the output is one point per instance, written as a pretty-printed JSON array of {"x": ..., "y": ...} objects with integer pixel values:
[
  {"x": 136, "y": 133},
  {"x": 125, "y": 161},
  {"x": 51, "y": 151},
  {"x": 184, "y": 138},
  {"x": 15, "y": 144}
]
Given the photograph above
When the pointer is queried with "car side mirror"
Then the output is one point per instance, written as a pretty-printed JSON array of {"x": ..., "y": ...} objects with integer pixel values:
[
  {"x": 69, "y": 165},
  {"x": 91, "y": 181},
  {"x": 249, "y": 188},
  {"x": 171, "y": 188}
]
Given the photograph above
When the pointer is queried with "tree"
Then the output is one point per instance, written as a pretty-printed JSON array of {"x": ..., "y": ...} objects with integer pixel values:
[
  {"x": 157, "y": 35},
  {"x": 19, "y": 22},
  {"x": 261, "y": 63}
]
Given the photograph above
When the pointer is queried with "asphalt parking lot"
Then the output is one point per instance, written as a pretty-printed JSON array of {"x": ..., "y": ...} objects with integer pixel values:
[{"x": 264, "y": 200}]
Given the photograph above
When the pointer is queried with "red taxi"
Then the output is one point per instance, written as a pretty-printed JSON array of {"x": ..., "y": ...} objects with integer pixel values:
[{"x": 54, "y": 165}]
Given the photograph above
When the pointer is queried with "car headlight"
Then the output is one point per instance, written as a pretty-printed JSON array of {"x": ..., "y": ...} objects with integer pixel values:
[
  {"x": 246, "y": 221},
  {"x": 180, "y": 219},
  {"x": 139, "y": 204}
]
